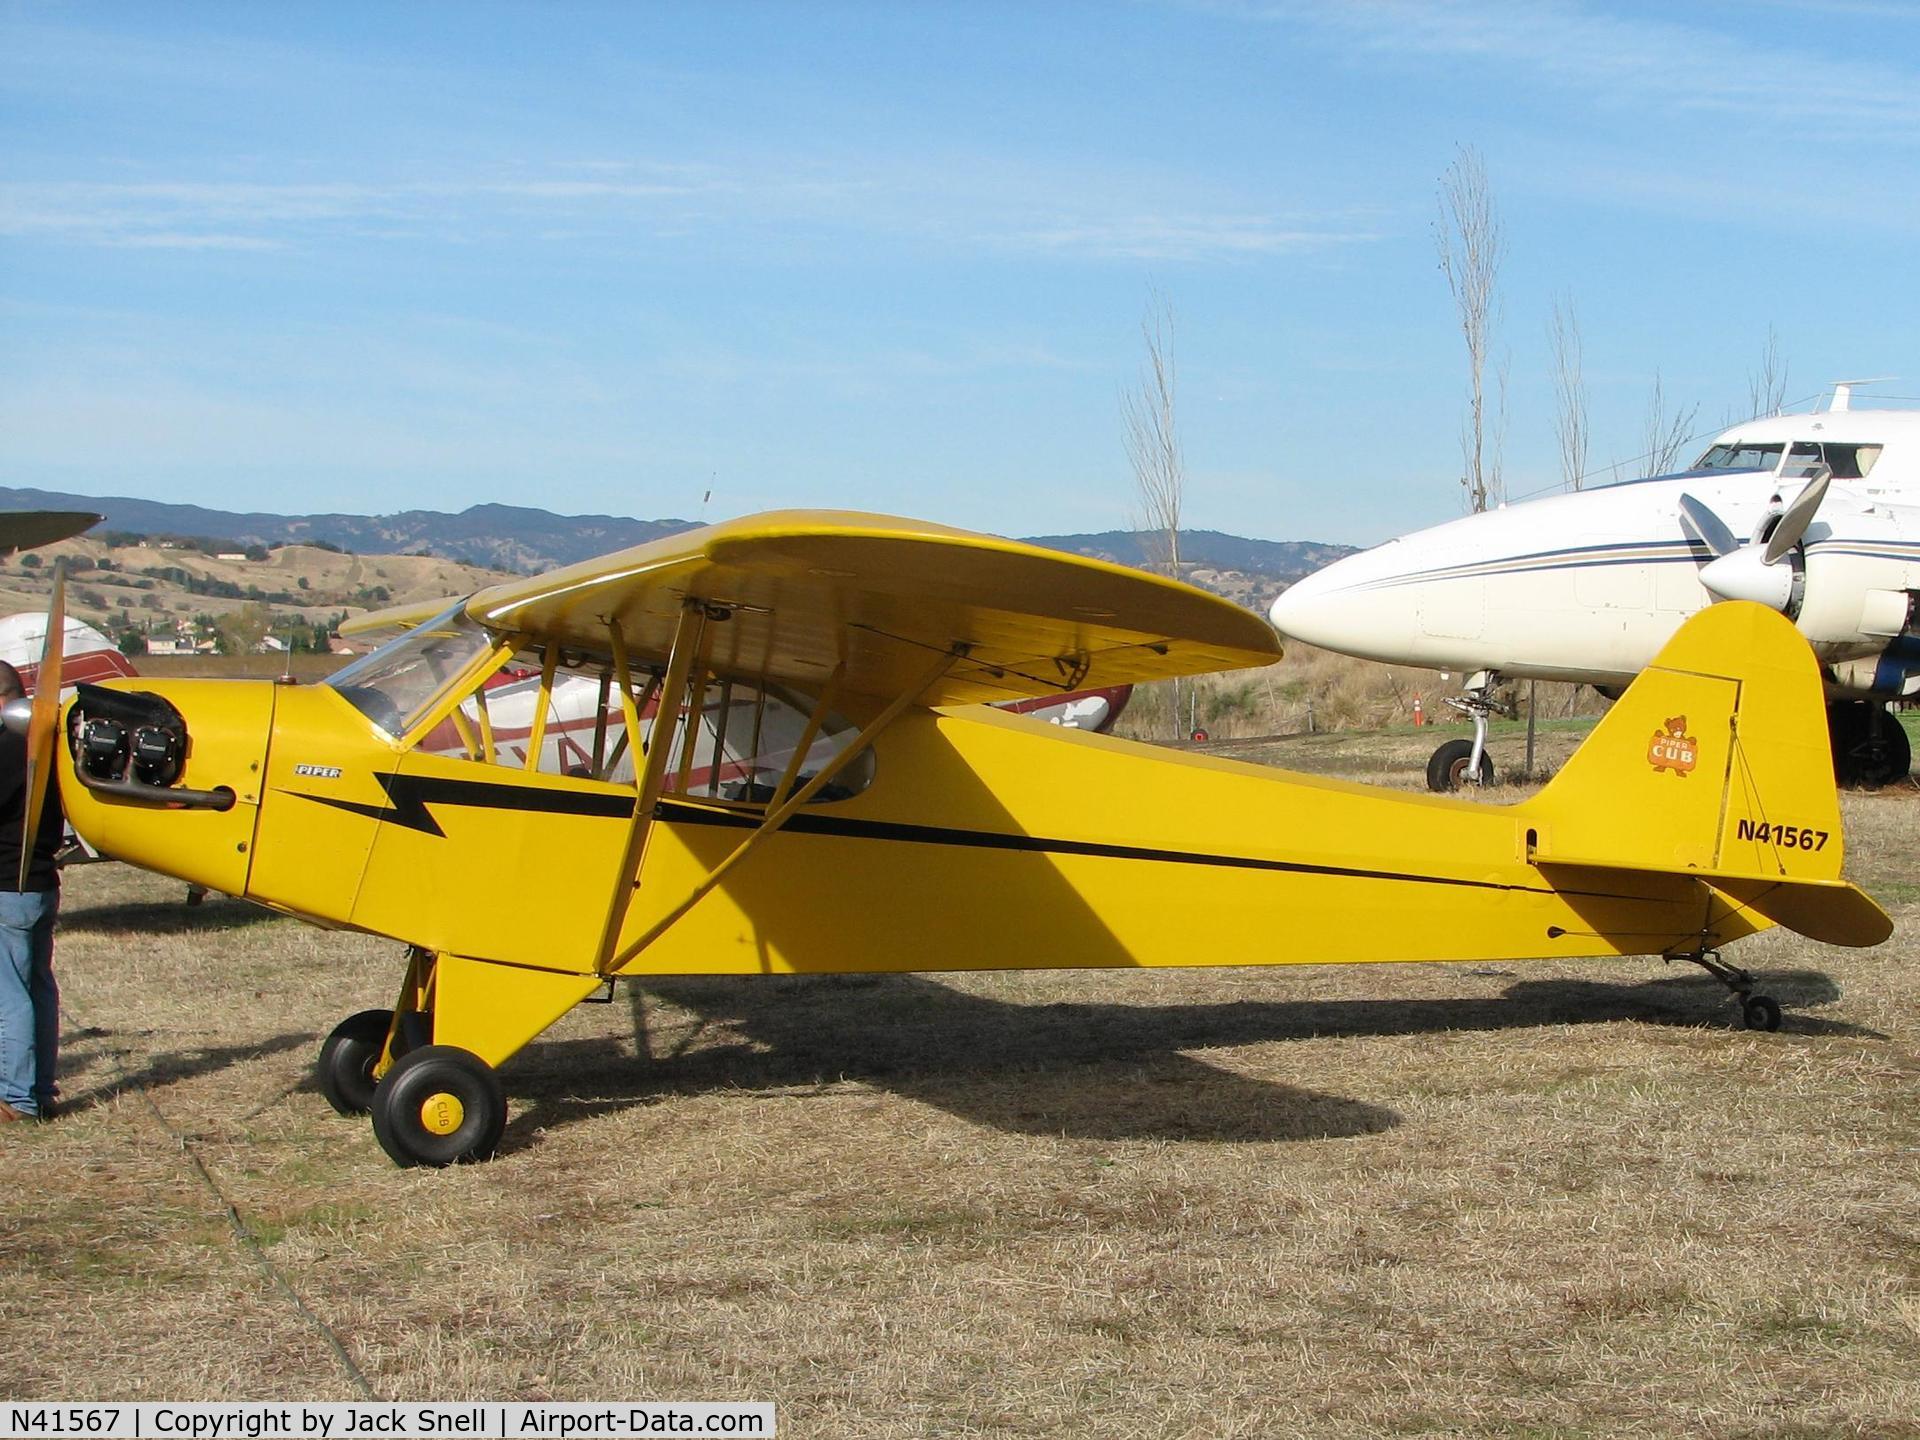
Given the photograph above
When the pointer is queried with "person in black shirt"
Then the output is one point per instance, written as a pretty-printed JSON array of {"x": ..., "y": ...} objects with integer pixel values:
[{"x": 29, "y": 999}]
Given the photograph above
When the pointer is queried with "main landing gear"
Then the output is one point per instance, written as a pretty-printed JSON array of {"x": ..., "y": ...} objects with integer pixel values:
[
  {"x": 439, "y": 1105},
  {"x": 1757, "y": 1012},
  {"x": 1466, "y": 762},
  {"x": 1870, "y": 748},
  {"x": 434, "y": 1105}
]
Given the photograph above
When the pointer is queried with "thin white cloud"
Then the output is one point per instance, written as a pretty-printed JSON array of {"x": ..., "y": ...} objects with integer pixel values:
[
  {"x": 1025, "y": 217},
  {"x": 1585, "y": 56},
  {"x": 1181, "y": 237}
]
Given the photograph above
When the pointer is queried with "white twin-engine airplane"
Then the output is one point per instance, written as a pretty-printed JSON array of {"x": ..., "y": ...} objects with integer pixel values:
[{"x": 1817, "y": 516}]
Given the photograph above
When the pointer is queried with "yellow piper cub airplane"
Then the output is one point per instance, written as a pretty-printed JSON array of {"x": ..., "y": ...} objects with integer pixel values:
[{"x": 808, "y": 798}]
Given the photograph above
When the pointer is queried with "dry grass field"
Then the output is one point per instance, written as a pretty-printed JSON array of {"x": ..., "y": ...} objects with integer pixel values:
[{"x": 1551, "y": 1200}]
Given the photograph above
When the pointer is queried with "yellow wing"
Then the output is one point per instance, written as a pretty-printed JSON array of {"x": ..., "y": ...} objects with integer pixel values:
[
  {"x": 808, "y": 590},
  {"x": 30, "y": 529}
]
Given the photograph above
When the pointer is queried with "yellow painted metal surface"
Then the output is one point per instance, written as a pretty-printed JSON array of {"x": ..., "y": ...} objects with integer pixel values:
[
  {"x": 493, "y": 1009},
  {"x": 231, "y": 722},
  {"x": 313, "y": 848},
  {"x": 816, "y": 589},
  {"x": 492, "y": 862},
  {"x": 1710, "y": 761},
  {"x": 988, "y": 841},
  {"x": 993, "y": 842}
]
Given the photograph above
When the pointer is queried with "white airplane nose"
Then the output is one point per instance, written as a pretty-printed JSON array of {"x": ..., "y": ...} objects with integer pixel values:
[
  {"x": 1326, "y": 609},
  {"x": 1295, "y": 607}
]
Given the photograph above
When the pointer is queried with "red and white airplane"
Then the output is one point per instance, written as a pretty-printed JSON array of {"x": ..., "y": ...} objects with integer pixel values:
[{"x": 90, "y": 656}]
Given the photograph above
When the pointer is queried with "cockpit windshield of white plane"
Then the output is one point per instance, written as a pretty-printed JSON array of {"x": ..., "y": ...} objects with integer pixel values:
[{"x": 1848, "y": 462}]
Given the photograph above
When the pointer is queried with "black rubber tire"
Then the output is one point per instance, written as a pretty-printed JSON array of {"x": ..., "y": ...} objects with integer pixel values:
[
  {"x": 414, "y": 1080},
  {"x": 1447, "y": 769},
  {"x": 1760, "y": 1012},
  {"x": 347, "y": 1060},
  {"x": 416, "y": 1029},
  {"x": 1870, "y": 746}
]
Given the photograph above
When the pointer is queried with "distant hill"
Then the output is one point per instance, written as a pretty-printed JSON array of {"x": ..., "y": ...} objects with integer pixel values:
[
  {"x": 519, "y": 538},
  {"x": 499, "y": 537},
  {"x": 1205, "y": 550}
]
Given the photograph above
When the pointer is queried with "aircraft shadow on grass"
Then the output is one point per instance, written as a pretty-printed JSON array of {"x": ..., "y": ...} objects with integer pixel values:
[
  {"x": 1087, "y": 1071},
  {"x": 165, "y": 917},
  {"x": 81, "y": 1057}
]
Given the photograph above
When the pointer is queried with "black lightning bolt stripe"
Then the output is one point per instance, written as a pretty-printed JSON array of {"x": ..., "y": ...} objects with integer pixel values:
[
  {"x": 986, "y": 840},
  {"x": 408, "y": 797}
]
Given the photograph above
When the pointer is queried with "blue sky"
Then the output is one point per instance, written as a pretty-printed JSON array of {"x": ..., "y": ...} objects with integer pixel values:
[{"x": 604, "y": 258}]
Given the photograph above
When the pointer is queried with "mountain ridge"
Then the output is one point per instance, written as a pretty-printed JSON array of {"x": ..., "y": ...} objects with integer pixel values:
[{"x": 529, "y": 540}]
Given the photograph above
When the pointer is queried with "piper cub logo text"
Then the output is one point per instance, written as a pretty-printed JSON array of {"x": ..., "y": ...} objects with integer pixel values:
[{"x": 1673, "y": 749}]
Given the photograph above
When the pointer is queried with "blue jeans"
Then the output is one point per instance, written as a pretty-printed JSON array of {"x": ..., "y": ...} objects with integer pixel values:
[{"x": 29, "y": 1000}]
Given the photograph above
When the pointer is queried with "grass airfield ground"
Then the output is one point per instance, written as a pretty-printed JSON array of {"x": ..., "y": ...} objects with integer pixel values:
[{"x": 1558, "y": 1199}]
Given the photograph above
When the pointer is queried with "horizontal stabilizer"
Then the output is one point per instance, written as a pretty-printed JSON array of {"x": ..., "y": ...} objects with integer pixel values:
[
  {"x": 1831, "y": 911},
  {"x": 1827, "y": 910}
]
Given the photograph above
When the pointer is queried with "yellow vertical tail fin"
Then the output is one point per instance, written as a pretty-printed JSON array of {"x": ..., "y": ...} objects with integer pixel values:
[{"x": 1716, "y": 762}]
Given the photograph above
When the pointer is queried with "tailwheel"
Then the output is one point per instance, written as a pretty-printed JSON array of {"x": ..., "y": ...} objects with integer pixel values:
[
  {"x": 348, "y": 1057},
  {"x": 439, "y": 1105},
  {"x": 1757, "y": 1012}
]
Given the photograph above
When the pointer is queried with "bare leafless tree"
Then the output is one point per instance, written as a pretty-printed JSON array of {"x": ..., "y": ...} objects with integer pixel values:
[
  {"x": 1570, "y": 393},
  {"x": 1767, "y": 387},
  {"x": 1153, "y": 440},
  {"x": 1467, "y": 235},
  {"x": 1153, "y": 450},
  {"x": 1665, "y": 435}
]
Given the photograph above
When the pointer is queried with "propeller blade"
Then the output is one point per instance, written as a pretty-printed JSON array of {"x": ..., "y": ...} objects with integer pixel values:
[
  {"x": 1793, "y": 524},
  {"x": 1699, "y": 521},
  {"x": 46, "y": 719}
]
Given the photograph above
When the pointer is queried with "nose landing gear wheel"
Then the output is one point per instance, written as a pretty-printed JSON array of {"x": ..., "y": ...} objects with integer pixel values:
[
  {"x": 439, "y": 1105},
  {"x": 1449, "y": 767},
  {"x": 347, "y": 1060}
]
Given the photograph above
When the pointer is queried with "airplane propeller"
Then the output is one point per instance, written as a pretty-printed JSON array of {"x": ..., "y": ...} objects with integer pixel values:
[
  {"x": 1753, "y": 571},
  {"x": 1706, "y": 527},
  {"x": 1793, "y": 524},
  {"x": 43, "y": 720}
]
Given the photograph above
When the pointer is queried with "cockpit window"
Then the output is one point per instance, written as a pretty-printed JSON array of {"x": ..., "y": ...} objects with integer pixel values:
[
  {"x": 743, "y": 743},
  {"x": 747, "y": 741},
  {"x": 1802, "y": 460},
  {"x": 397, "y": 684},
  {"x": 1737, "y": 456},
  {"x": 1848, "y": 462}
]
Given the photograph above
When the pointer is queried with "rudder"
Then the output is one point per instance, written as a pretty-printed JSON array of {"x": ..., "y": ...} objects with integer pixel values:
[{"x": 1716, "y": 761}]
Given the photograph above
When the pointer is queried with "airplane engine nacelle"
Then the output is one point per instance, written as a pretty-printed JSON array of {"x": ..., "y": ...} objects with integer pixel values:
[
  {"x": 167, "y": 776},
  {"x": 1855, "y": 604}
]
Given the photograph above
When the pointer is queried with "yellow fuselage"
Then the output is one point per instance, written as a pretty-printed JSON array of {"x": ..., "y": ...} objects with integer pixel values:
[{"x": 984, "y": 841}]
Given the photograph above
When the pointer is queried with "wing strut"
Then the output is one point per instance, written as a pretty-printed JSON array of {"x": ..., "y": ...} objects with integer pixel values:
[
  {"x": 650, "y": 776},
  {"x": 779, "y": 814},
  {"x": 538, "y": 739}
]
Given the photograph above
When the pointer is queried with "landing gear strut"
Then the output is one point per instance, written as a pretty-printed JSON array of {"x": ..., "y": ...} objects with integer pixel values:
[
  {"x": 1870, "y": 749},
  {"x": 1757, "y": 1012},
  {"x": 1466, "y": 762}
]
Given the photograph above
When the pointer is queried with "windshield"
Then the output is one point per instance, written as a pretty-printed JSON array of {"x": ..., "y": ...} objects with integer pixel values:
[
  {"x": 397, "y": 684},
  {"x": 1740, "y": 457}
]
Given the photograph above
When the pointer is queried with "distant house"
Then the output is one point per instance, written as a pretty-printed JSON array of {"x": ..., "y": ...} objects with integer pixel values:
[
  {"x": 156, "y": 645},
  {"x": 231, "y": 555}
]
